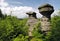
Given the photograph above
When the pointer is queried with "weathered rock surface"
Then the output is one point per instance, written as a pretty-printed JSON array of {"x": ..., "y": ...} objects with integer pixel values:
[
  {"x": 32, "y": 20},
  {"x": 46, "y": 10}
]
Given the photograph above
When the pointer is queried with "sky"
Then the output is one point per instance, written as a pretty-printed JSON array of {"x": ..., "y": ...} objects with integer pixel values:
[
  {"x": 20, "y": 7},
  {"x": 34, "y": 3}
]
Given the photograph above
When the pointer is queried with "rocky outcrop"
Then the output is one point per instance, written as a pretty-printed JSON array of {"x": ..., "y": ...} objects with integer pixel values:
[{"x": 46, "y": 10}]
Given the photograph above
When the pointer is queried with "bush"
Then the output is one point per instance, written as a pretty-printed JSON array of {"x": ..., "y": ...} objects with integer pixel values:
[
  {"x": 11, "y": 27},
  {"x": 55, "y": 29}
]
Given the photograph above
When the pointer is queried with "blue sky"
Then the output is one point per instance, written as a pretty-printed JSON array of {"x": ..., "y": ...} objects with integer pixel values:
[
  {"x": 20, "y": 7},
  {"x": 34, "y": 3}
]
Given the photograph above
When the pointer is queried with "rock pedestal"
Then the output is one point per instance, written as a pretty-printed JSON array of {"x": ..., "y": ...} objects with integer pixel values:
[
  {"x": 32, "y": 20},
  {"x": 46, "y": 10}
]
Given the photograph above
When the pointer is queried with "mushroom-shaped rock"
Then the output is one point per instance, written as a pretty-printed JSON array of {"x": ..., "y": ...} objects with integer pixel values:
[
  {"x": 32, "y": 21},
  {"x": 31, "y": 14},
  {"x": 46, "y": 9}
]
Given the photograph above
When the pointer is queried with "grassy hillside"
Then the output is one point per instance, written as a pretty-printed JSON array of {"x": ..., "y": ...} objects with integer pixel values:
[{"x": 14, "y": 29}]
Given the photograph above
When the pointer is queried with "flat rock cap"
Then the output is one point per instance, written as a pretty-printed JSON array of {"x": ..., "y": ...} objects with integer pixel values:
[
  {"x": 45, "y": 5},
  {"x": 30, "y": 13}
]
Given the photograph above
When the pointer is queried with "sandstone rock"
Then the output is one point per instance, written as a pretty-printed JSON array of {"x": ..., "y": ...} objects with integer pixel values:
[
  {"x": 32, "y": 20},
  {"x": 46, "y": 10}
]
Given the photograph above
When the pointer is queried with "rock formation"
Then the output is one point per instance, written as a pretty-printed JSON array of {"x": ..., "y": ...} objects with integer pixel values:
[
  {"x": 46, "y": 10},
  {"x": 32, "y": 20}
]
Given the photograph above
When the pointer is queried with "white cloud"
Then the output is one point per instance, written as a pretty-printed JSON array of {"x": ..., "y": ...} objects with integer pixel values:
[
  {"x": 3, "y": 4},
  {"x": 20, "y": 11},
  {"x": 56, "y": 12},
  {"x": 38, "y": 14}
]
